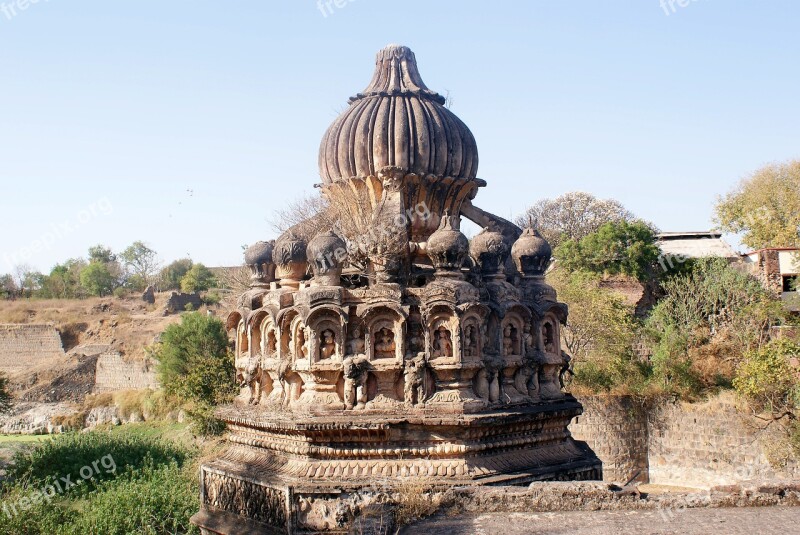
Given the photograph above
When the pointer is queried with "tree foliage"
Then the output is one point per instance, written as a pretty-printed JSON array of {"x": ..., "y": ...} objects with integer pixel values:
[
  {"x": 708, "y": 319},
  {"x": 615, "y": 248},
  {"x": 196, "y": 365},
  {"x": 171, "y": 276},
  {"x": 600, "y": 334},
  {"x": 97, "y": 280},
  {"x": 198, "y": 279},
  {"x": 572, "y": 216},
  {"x": 765, "y": 207},
  {"x": 600, "y": 323},
  {"x": 769, "y": 377},
  {"x": 64, "y": 280},
  {"x": 141, "y": 262}
]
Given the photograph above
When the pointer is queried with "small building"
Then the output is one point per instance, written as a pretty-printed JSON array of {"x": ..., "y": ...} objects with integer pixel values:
[
  {"x": 695, "y": 244},
  {"x": 778, "y": 269}
]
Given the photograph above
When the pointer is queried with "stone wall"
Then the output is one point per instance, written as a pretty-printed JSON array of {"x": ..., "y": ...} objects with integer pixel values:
[
  {"x": 616, "y": 429},
  {"x": 682, "y": 444},
  {"x": 713, "y": 443},
  {"x": 115, "y": 373},
  {"x": 178, "y": 302},
  {"x": 25, "y": 346}
]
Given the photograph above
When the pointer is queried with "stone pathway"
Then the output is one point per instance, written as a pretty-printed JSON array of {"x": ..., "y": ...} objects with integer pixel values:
[{"x": 744, "y": 521}]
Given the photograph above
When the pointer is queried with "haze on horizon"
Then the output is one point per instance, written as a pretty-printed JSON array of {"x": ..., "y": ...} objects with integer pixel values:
[{"x": 187, "y": 125}]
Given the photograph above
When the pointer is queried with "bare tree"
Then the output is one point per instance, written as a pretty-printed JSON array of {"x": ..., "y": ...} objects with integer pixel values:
[{"x": 573, "y": 215}]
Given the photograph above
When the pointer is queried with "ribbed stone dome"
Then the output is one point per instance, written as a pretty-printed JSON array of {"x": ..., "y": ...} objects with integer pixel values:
[
  {"x": 259, "y": 253},
  {"x": 397, "y": 121}
]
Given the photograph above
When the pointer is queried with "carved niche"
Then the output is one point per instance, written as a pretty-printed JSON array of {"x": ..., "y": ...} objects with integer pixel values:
[
  {"x": 443, "y": 335},
  {"x": 328, "y": 335},
  {"x": 385, "y": 336}
]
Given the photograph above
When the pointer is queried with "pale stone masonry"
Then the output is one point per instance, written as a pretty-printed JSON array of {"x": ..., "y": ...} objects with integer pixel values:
[
  {"x": 25, "y": 346},
  {"x": 115, "y": 373},
  {"x": 681, "y": 444}
]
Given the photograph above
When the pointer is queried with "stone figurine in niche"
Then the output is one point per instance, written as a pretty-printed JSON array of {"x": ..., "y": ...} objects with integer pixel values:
[
  {"x": 416, "y": 340},
  {"x": 509, "y": 335},
  {"x": 549, "y": 338},
  {"x": 384, "y": 343},
  {"x": 442, "y": 344},
  {"x": 356, "y": 373},
  {"x": 414, "y": 376},
  {"x": 530, "y": 343},
  {"x": 272, "y": 343},
  {"x": 470, "y": 342},
  {"x": 302, "y": 343},
  {"x": 328, "y": 348},
  {"x": 356, "y": 345}
]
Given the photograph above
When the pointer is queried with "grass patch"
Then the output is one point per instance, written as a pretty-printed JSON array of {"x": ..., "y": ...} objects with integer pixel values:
[{"x": 151, "y": 491}]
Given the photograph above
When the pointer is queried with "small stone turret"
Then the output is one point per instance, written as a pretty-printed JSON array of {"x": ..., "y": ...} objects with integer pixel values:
[
  {"x": 448, "y": 247},
  {"x": 489, "y": 251},
  {"x": 531, "y": 253},
  {"x": 290, "y": 259},
  {"x": 326, "y": 253},
  {"x": 258, "y": 257}
]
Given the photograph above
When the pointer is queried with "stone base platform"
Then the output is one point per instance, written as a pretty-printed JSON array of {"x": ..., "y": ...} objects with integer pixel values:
[{"x": 283, "y": 474}]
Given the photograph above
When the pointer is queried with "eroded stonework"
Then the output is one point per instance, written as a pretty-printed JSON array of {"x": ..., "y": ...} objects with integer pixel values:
[{"x": 388, "y": 346}]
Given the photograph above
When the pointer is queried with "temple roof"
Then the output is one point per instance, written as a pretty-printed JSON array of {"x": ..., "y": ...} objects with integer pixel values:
[{"x": 397, "y": 121}]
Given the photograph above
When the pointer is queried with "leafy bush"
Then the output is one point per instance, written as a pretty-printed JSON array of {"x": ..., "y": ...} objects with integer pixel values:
[
  {"x": 196, "y": 365},
  {"x": 199, "y": 278},
  {"x": 65, "y": 455},
  {"x": 599, "y": 323},
  {"x": 709, "y": 318},
  {"x": 618, "y": 248},
  {"x": 150, "y": 501},
  {"x": 769, "y": 377},
  {"x": 152, "y": 491}
]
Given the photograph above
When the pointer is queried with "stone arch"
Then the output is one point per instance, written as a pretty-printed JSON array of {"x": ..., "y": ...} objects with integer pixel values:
[
  {"x": 256, "y": 332},
  {"x": 301, "y": 337},
  {"x": 385, "y": 327},
  {"x": 513, "y": 331},
  {"x": 326, "y": 322},
  {"x": 443, "y": 334},
  {"x": 472, "y": 319},
  {"x": 285, "y": 321}
]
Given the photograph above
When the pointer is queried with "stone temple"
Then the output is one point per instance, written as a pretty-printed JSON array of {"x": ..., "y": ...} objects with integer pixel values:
[{"x": 378, "y": 345}]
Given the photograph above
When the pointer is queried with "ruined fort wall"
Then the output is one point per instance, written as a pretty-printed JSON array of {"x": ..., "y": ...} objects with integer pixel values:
[
  {"x": 713, "y": 443},
  {"x": 616, "y": 429},
  {"x": 25, "y": 346},
  {"x": 115, "y": 373},
  {"x": 682, "y": 444}
]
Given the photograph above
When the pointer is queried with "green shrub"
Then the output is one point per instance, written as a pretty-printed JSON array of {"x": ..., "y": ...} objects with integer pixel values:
[
  {"x": 107, "y": 454},
  {"x": 768, "y": 377},
  {"x": 617, "y": 248},
  {"x": 150, "y": 501},
  {"x": 212, "y": 298},
  {"x": 152, "y": 491},
  {"x": 196, "y": 366}
]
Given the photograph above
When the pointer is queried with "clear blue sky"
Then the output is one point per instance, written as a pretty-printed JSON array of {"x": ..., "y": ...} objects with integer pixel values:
[{"x": 127, "y": 105}]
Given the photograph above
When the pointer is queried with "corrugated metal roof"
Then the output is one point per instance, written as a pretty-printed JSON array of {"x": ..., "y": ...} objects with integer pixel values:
[{"x": 695, "y": 244}]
